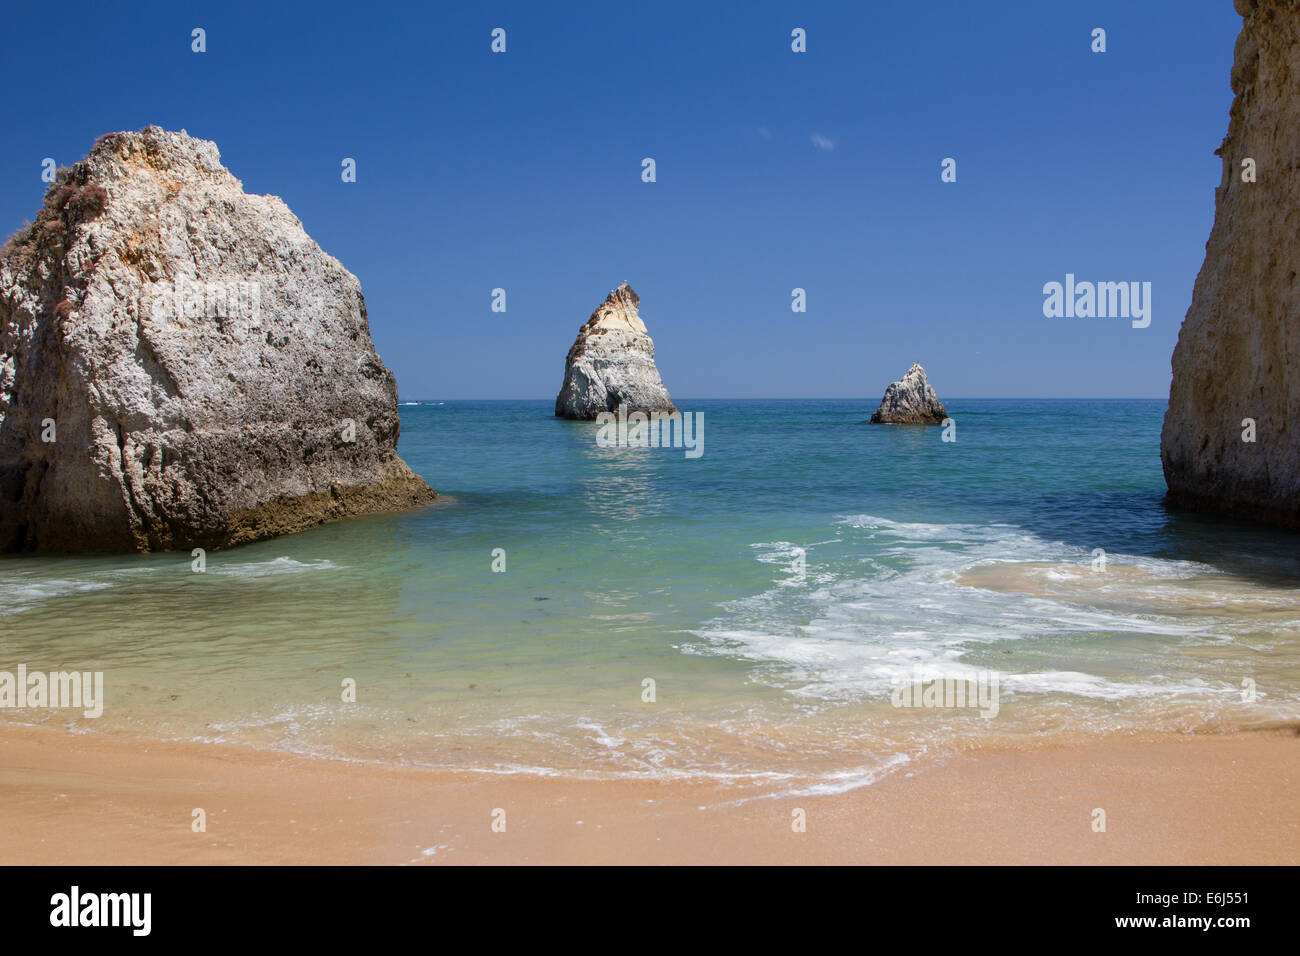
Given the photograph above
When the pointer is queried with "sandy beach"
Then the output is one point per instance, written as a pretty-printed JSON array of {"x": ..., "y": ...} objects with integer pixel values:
[{"x": 1196, "y": 799}]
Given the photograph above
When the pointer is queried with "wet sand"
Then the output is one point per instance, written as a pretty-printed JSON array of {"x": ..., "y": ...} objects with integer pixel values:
[{"x": 1195, "y": 799}]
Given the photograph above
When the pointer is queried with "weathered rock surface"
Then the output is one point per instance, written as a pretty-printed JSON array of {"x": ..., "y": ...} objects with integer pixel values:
[
  {"x": 910, "y": 401},
  {"x": 1238, "y": 353},
  {"x": 612, "y": 363},
  {"x": 181, "y": 365}
]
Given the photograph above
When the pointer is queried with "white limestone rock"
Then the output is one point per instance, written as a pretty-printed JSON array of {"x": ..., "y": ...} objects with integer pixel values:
[
  {"x": 198, "y": 357},
  {"x": 612, "y": 364},
  {"x": 910, "y": 401}
]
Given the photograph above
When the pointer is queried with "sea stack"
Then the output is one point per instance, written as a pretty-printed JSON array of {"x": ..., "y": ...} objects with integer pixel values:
[
  {"x": 181, "y": 365},
  {"x": 1231, "y": 438},
  {"x": 612, "y": 364},
  {"x": 910, "y": 401}
]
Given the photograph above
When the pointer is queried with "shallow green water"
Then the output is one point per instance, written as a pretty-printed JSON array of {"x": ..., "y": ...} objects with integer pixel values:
[{"x": 922, "y": 558}]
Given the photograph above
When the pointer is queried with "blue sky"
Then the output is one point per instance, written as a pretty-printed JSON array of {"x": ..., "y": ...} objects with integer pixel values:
[{"x": 522, "y": 171}]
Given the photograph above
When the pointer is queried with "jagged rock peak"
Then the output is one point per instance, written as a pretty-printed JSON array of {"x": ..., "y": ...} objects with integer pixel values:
[
  {"x": 618, "y": 311},
  {"x": 624, "y": 299},
  {"x": 182, "y": 365},
  {"x": 612, "y": 364},
  {"x": 1230, "y": 442},
  {"x": 910, "y": 401}
]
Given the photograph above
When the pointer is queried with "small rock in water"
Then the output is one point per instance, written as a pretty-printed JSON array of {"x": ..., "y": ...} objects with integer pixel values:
[
  {"x": 612, "y": 364},
  {"x": 910, "y": 401}
]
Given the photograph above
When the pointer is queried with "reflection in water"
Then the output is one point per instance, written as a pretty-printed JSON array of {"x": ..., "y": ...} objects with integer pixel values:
[{"x": 623, "y": 484}]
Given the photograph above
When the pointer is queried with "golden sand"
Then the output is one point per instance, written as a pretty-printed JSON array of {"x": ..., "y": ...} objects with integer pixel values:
[{"x": 1206, "y": 799}]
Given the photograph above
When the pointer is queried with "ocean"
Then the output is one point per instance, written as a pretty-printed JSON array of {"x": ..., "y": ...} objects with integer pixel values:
[{"x": 746, "y": 616}]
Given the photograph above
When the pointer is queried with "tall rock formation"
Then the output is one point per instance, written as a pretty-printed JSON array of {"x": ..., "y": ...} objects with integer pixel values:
[
  {"x": 910, "y": 401},
  {"x": 181, "y": 365},
  {"x": 612, "y": 363},
  {"x": 1238, "y": 354}
]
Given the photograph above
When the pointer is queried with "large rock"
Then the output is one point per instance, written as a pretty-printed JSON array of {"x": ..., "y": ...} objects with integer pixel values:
[
  {"x": 612, "y": 364},
  {"x": 1238, "y": 354},
  {"x": 181, "y": 365},
  {"x": 910, "y": 401}
]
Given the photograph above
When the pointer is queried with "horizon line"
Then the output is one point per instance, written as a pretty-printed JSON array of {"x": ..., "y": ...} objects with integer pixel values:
[{"x": 831, "y": 398}]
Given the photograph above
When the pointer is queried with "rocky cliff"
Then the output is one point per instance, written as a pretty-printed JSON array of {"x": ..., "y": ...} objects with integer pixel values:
[
  {"x": 1238, "y": 354},
  {"x": 910, "y": 401},
  {"x": 612, "y": 363},
  {"x": 181, "y": 365}
]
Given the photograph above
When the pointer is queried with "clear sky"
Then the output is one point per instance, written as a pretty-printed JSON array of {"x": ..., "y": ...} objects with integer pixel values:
[{"x": 775, "y": 170}]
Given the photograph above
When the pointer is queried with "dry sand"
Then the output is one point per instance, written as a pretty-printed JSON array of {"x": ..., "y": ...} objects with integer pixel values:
[{"x": 89, "y": 799}]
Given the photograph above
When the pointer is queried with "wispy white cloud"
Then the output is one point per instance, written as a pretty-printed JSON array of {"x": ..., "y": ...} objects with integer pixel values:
[
  {"x": 764, "y": 132},
  {"x": 823, "y": 142}
]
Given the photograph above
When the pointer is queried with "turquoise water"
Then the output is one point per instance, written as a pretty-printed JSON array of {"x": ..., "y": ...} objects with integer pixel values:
[{"x": 921, "y": 557}]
